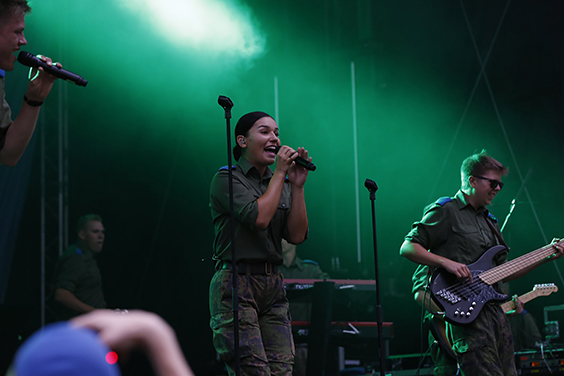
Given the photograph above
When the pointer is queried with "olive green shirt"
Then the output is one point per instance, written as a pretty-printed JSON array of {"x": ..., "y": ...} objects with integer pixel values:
[
  {"x": 452, "y": 228},
  {"x": 303, "y": 269},
  {"x": 77, "y": 271},
  {"x": 420, "y": 278},
  {"x": 300, "y": 306},
  {"x": 252, "y": 245}
]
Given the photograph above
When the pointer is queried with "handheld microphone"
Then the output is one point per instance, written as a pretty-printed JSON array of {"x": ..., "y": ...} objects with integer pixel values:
[
  {"x": 302, "y": 162},
  {"x": 30, "y": 60}
]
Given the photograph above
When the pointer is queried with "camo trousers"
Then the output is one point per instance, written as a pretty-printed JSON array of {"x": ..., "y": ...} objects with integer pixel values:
[
  {"x": 444, "y": 364},
  {"x": 266, "y": 346},
  {"x": 484, "y": 347}
]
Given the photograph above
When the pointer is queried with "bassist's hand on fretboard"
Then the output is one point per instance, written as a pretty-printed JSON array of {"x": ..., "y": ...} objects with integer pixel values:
[
  {"x": 558, "y": 248},
  {"x": 518, "y": 306}
]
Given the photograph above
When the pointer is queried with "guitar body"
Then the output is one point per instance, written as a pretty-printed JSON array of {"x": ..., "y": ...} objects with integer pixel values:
[{"x": 462, "y": 301}]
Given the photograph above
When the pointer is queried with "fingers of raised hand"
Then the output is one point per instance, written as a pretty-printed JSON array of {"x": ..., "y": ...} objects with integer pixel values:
[
  {"x": 45, "y": 59},
  {"x": 287, "y": 153},
  {"x": 464, "y": 272}
]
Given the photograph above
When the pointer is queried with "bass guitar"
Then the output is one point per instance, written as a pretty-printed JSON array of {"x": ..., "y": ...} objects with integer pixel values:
[
  {"x": 438, "y": 327},
  {"x": 462, "y": 301}
]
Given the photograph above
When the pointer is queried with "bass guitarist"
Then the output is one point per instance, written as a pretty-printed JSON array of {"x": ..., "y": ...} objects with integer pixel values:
[{"x": 455, "y": 232}]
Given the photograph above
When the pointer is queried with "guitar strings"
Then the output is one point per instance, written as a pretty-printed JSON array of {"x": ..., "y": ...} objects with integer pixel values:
[
  {"x": 510, "y": 267},
  {"x": 476, "y": 286}
]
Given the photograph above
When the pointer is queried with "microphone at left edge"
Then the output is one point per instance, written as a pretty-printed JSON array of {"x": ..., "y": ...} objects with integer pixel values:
[{"x": 30, "y": 60}]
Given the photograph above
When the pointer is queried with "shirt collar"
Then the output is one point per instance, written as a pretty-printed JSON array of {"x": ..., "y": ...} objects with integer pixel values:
[
  {"x": 2, "y": 73},
  {"x": 246, "y": 166},
  {"x": 462, "y": 202}
]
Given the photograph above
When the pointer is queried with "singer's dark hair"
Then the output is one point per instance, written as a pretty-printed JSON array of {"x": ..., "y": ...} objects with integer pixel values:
[
  {"x": 479, "y": 164},
  {"x": 10, "y": 8},
  {"x": 83, "y": 221},
  {"x": 245, "y": 123}
]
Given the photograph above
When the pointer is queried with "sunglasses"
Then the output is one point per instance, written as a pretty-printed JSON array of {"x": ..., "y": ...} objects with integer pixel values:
[{"x": 493, "y": 183}]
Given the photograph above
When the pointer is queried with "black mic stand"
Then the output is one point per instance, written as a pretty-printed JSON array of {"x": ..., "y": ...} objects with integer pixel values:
[
  {"x": 372, "y": 187},
  {"x": 514, "y": 202},
  {"x": 227, "y": 104}
]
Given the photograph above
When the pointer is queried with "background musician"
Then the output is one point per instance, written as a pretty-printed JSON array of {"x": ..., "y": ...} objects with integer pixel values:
[{"x": 296, "y": 268}]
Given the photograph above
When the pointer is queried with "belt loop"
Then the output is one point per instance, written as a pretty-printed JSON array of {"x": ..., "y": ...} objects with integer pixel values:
[{"x": 266, "y": 271}]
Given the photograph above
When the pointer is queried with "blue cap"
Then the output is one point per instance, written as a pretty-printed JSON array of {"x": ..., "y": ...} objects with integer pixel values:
[{"x": 63, "y": 350}]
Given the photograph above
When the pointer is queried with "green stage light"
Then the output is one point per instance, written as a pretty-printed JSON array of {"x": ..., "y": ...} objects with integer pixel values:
[{"x": 207, "y": 25}]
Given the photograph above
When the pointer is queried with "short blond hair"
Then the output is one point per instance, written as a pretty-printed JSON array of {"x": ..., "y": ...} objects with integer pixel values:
[{"x": 479, "y": 164}]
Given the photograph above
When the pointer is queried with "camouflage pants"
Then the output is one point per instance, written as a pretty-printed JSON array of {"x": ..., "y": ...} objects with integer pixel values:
[
  {"x": 444, "y": 364},
  {"x": 484, "y": 347},
  {"x": 266, "y": 346}
]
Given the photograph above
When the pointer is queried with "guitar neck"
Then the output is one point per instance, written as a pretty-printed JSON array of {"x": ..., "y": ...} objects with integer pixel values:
[
  {"x": 509, "y": 268},
  {"x": 510, "y": 305}
]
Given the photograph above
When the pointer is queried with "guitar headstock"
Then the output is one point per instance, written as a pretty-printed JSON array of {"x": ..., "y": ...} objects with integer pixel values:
[{"x": 545, "y": 288}]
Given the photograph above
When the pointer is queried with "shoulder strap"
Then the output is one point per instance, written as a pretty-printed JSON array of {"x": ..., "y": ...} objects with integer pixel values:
[{"x": 495, "y": 231}]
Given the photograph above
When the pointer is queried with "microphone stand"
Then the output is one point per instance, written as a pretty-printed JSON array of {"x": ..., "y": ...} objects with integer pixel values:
[
  {"x": 227, "y": 104},
  {"x": 514, "y": 202},
  {"x": 372, "y": 188}
]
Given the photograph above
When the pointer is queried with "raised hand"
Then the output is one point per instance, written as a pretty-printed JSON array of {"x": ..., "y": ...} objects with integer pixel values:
[
  {"x": 40, "y": 82},
  {"x": 297, "y": 173},
  {"x": 285, "y": 158}
]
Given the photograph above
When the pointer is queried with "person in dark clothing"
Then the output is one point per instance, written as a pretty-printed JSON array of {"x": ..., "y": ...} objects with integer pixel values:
[
  {"x": 77, "y": 281},
  {"x": 268, "y": 206}
]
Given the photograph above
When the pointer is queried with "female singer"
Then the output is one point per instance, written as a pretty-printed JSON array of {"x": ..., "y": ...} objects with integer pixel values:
[{"x": 268, "y": 207}]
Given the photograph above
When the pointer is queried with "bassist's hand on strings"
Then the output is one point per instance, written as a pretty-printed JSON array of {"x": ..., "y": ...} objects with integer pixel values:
[{"x": 456, "y": 268}]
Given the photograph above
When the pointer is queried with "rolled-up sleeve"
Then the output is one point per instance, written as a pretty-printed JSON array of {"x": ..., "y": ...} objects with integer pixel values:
[
  {"x": 245, "y": 205},
  {"x": 432, "y": 230}
]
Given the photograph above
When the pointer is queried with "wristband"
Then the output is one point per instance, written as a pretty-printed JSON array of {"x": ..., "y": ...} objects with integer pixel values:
[{"x": 32, "y": 103}]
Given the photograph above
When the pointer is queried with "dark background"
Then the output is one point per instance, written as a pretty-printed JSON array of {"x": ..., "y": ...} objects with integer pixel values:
[{"x": 146, "y": 136}]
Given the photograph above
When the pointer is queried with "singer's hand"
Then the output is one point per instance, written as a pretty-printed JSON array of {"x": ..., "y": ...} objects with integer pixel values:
[
  {"x": 285, "y": 159},
  {"x": 40, "y": 82},
  {"x": 297, "y": 173}
]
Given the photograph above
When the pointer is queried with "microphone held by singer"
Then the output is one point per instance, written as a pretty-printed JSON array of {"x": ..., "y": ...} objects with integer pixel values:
[
  {"x": 302, "y": 162},
  {"x": 30, "y": 60}
]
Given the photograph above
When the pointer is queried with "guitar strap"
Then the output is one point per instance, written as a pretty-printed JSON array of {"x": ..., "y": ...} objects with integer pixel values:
[{"x": 496, "y": 232}]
